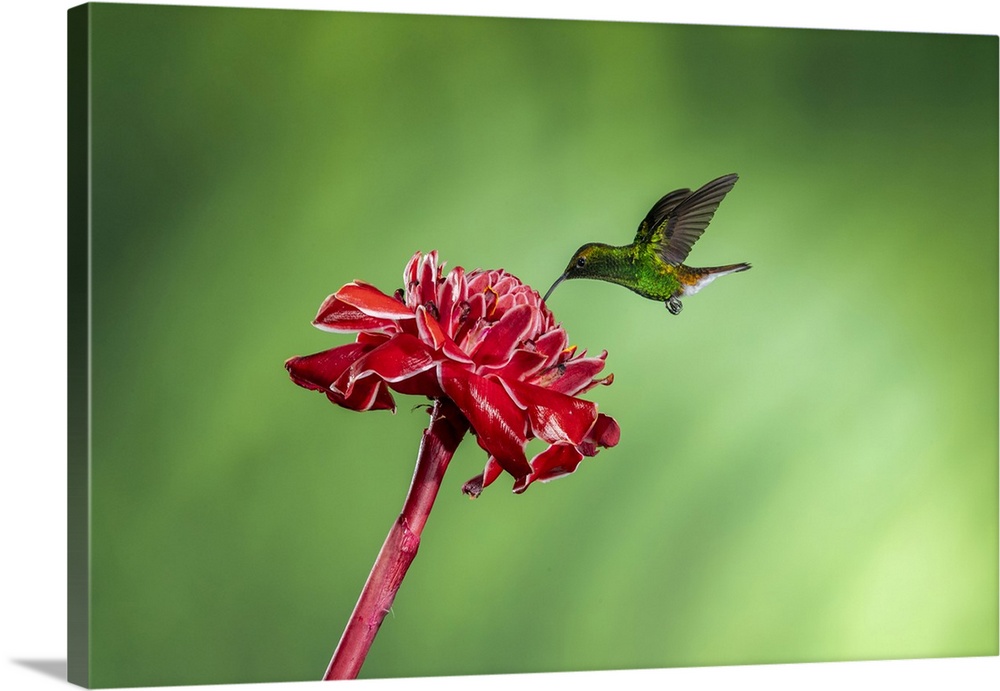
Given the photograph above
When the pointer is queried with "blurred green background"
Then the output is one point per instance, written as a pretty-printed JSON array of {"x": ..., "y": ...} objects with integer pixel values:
[{"x": 808, "y": 463}]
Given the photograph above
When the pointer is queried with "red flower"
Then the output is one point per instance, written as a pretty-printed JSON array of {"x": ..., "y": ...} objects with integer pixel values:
[{"x": 485, "y": 341}]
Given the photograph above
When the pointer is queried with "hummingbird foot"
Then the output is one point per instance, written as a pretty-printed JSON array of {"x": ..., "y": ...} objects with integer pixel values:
[{"x": 674, "y": 306}]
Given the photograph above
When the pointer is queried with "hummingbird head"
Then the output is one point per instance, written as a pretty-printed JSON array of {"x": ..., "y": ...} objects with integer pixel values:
[{"x": 587, "y": 262}]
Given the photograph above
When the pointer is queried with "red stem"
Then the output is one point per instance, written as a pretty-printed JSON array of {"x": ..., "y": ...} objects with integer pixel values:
[{"x": 437, "y": 446}]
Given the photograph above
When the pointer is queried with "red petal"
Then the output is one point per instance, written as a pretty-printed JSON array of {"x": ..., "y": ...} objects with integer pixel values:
[
  {"x": 384, "y": 400},
  {"x": 552, "y": 343},
  {"x": 373, "y": 302},
  {"x": 469, "y": 314},
  {"x": 604, "y": 381},
  {"x": 427, "y": 279},
  {"x": 572, "y": 377},
  {"x": 513, "y": 294},
  {"x": 340, "y": 317},
  {"x": 398, "y": 358},
  {"x": 372, "y": 338},
  {"x": 411, "y": 279},
  {"x": 421, "y": 384},
  {"x": 491, "y": 472},
  {"x": 453, "y": 352},
  {"x": 474, "y": 487},
  {"x": 556, "y": 461},
  {"x": 477, "y": 281},
  {"x": 369, "y": 393},
  {"x": 410, "y": 273},
  {"x": 429, "y": 329},
  {"x": 318, "y": 371},
  {"x": 498, "y": 344},
  {"x": 522, "y": 364},
  {"x": 450, "y": 297},
  {"x": 554, "y": 417},
  {"x": 431, "y": 333},
  {"x": 499, "y": 424},
  {"x": 605, "y": 433}
]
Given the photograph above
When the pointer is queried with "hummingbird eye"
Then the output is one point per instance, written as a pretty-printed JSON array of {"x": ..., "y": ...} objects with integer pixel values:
[{"x": 580, "y": 262}]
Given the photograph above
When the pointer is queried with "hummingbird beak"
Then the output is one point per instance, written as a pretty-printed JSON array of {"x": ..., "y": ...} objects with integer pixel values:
[{"x": 558, "y": 281}]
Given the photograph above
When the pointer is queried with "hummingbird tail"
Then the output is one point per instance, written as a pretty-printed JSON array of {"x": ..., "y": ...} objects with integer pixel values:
[
  {"x": 727, "y": 269},
  {"x": 696, "y": 279}
]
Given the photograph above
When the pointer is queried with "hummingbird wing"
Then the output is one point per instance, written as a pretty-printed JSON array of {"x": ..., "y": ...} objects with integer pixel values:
[
  {"x": 687, "y": 219},
  {"x": 658, "y": 214}
]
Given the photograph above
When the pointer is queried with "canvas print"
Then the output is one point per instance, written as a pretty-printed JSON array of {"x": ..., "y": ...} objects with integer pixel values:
[{"x": 397, "y": 347}]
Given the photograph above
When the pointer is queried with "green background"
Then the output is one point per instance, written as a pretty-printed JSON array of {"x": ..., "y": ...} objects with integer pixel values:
[{"x": 808, "y": 462}]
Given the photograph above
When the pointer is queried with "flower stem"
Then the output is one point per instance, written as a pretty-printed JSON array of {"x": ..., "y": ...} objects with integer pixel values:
[{"x": 437, "y": 446}]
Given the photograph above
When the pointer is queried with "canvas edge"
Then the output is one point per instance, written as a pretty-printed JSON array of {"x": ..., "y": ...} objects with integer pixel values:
[{"x": 78, "y": 345}]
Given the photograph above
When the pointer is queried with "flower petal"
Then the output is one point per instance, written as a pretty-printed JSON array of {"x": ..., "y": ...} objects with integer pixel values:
[
  {"x": 470, "y": 323},
  {"x": 573, "y": 376},
  {"x": 552, "y": 343},
  {"x": 318, "y": 371},
  {"x": 404, "y": 361},
  {"x": 605, "y": 433},
  {"x": 427, "y": 275},
  {"x": 421, "y": 384},
  {"x": 430, "y": 332},
  {"x": 523, "y": 363},
  {"x": 450, "y": 296},
  {"x": 497, "y": 346},
  {"x": 370, "y": 393},
  {"x": 339, "y": 317},
  {"x": 500, "y": 426},
  {"x": 556, "y": 461},
  {"x": 411, "y": 280},
  {"x": 429, "y": 329},
  {"x": 474, "y": 487},
  {"x": 371, "y": 301},
  {"x": 401, "y": 357},
  {"x": 554, "y": 417}
]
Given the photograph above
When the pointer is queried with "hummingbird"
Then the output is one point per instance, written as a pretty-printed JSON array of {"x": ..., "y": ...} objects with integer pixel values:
[{"x": 653, "y": 265}]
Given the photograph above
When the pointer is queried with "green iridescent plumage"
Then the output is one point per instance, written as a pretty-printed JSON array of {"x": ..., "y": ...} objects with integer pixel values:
[{"x": 652, "y": 265}]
